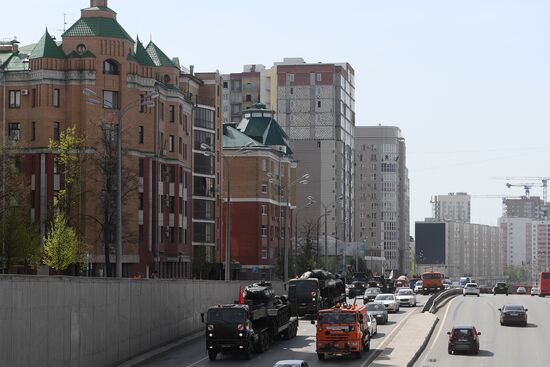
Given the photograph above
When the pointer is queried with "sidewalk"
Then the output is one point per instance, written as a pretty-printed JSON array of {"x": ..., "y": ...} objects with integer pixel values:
[{"x": 409, "y": 342}]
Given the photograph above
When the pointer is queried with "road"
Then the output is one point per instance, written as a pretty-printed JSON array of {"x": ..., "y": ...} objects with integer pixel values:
[
  {"x": 499, "y": 345},
  {"x": 301, "y": 347}
]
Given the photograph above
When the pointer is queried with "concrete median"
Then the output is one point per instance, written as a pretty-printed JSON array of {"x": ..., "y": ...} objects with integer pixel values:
[{"x": 407, "y": 345}]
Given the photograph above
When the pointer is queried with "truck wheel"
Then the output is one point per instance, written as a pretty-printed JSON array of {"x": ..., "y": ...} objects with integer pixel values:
[
  {"x": 247, "y": 352},
  {"x": 321, "y": 356},
  {"x": 212, "y": 354}
]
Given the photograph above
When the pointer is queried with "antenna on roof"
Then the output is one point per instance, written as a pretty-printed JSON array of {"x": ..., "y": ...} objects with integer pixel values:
[{"x": 64, "y": 23}]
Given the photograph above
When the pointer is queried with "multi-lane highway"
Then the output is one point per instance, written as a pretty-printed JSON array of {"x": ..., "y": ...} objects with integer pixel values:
[
  {"x": 301, "y": 347},
  {"x": 501, "y": 346}
]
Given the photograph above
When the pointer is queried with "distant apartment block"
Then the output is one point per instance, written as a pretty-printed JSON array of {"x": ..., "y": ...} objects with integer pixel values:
[
  {"x": 458, "y": 249},
  {"x": 516, "y": 244},
  {"x": 540, "y": 247},
  {"x": 382, "y": 194},
  {"x": 452, "y": 207},
  {"x": 524, "y": 207}
]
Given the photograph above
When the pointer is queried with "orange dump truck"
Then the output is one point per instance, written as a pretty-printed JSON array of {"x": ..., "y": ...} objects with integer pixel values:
[
  {"x": 432, "y": 282},
  {"x": 342, "y": 330}
]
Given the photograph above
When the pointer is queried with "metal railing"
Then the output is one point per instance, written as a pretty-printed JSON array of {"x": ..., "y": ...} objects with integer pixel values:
[{"x": 434, "y": 303}]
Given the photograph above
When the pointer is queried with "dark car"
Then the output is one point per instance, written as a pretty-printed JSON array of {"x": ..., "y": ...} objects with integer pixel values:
[
  {"x": 463, "y": 338},
  {"x": 356, "y": 288},
  {"x": 500, "y": 288},
  {"x": 370, "y": 294},
  {"x": 378, "y": 311},
  {"x": 513, "y": 314}
]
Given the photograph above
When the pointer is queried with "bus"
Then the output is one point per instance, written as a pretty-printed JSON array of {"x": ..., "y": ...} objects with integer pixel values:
[
  {"x": 544, "y": 284},
  {"x": 432, "y": 282}
]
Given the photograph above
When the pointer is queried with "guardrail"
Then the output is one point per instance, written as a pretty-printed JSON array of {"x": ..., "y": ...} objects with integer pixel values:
[{"x": 434, "y": 302}]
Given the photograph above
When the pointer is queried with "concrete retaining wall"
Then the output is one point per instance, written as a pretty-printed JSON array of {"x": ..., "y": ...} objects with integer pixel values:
[{"x": 63, "y": 321}]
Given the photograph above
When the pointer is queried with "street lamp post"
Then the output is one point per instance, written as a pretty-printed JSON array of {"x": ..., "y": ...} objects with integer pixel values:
[{"x": 148, "y": 102}]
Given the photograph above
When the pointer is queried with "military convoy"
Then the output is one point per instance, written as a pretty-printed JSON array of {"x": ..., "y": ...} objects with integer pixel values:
[
  {"x": 251, "y": 324},
  {"x": 315, "y": 290}
]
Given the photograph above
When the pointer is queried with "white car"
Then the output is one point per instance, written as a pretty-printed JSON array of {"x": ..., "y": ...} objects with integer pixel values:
[
  {"x": 470, "y": 289},
  {"x": 418, "y": 287},
  {"x": 373, "y": 325},
  {"x": 291, "y": 363},
  {"x": 406, "y": 297},
  {"x": 535, "y": 291},
  {"x": 389, "y": 301}
]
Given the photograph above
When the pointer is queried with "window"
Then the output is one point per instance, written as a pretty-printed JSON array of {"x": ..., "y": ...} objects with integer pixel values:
[
  {"x": 171, "y": 143},
  {"x": 110, "y": 67},
  {"x": 56, "y": 98},
  {"x": 140, "y": 132},
  {"x": 172, "y": 113},
  {"x": 318, "y": 77},
  {"x": 224, "y": 85},
  {"x": 319, "y": 104},
  {"x": 172, "y": 204},
  {"x": 141, "y": 103},
  {"x": 264, "y": 231},
  {"x": 14, "y": 131},
  {"x": 290, "y": 77},
  {"x": 56, "y": 131},
  {"x": 180, "y": 235},
  {"x": 263, "y": 209},
  {"x": 181, "y": 145},
  {"x": 110, "y": 99},
  {"x": 264, "y": 165},
  {"x": 249, "y": 98},
  {"x": 162, "y": 110},
  {"x": 140, "y": 201},
  {"x": 185, "y": 123},
  {"x": 33, "y": 97},
  {"x": 264, "y": 188},
  {"x": 33, "y": 131},
  {"x": 181, "y": 114},
  {"x": 141, "y": 236},
  {"x": 141, "y": 167},
  {"x": 15, "y": 98}
]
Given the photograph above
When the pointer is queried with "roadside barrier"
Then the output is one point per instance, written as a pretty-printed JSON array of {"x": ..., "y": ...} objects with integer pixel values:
[{"x": 435, "y": 301}]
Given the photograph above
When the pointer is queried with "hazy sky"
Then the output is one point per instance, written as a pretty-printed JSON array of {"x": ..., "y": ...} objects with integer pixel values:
[{"x": 467, "y": 81}]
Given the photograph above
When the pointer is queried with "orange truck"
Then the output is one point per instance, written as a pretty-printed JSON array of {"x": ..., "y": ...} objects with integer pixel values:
[
  {"x": 432, "y": 282},
  {"x": 342, "y": 330}
]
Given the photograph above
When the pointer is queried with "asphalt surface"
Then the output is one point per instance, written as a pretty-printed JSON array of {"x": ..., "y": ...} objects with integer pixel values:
[
  {"x": 302, "y": 346},
  {"x": 500, "y": 346}
]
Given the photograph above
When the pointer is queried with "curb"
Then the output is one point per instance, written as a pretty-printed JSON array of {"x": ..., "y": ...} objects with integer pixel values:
[
  {"x": 424, "y": 344},
  {"x": 157, "y": 352}
]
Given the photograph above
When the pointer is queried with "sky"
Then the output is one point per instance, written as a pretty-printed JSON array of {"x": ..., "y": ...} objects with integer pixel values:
[{"x": 467, "y": 81}]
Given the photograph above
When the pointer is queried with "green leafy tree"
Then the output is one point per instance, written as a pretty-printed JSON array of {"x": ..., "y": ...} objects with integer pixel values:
[
  {"x": 305, "y": 258},
  {"x": 22, "y": 240},
  {"x": 69, "y": 150},
  {"x": 61, "y": 248}
]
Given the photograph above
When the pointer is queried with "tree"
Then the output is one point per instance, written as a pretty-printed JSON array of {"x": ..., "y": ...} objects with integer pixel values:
[
  {"x": 103, "y": 177},
  {"x": 305, "y": 258},
  {"x": 20, "y": 244},
  {"x": 69, "y": 149},
  {"x": 61, "y": 248},
  {"x": 517, "y": 273}
]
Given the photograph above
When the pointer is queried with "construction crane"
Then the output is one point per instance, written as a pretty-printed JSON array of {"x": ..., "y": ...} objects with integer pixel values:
[
  {"x": 526, "y": 186},
  {"x": 543, "y": 184}
]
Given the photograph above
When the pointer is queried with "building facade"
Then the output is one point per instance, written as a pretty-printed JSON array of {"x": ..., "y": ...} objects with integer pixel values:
[
  {"x": 382, "y": 194},
  {"x": 524, "y": 207},
  {"x": 260, "y": 168},
  {"x": 315, "y": 105},
  {"x": 540, "y": 247},
  {"x": 452, "y": 207},
  {"x": 125, "y": 81},
  {"x": 516, "y": 244},
  {"x": 242, "y": 90},
  {"x": 459, "y": 249}
]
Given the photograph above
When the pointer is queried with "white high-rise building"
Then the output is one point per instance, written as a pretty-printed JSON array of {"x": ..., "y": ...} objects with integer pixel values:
[
  {"x": 452, "y": 207},
  {"x": 516, "y": 241},
  {"x": 540, "y": 247}
]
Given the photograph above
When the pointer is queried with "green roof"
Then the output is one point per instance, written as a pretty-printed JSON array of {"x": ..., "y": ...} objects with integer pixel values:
[
  {"x": 141, "y": 55},
  {"x": 15, "y": 62},
  {"x": 97, "y": 27},
  {"x": 158, "y": 57},
  {"x": 264, "y": 129},
  {"x": 233, "y": 138},
  {"x": 47, "y": 47}
]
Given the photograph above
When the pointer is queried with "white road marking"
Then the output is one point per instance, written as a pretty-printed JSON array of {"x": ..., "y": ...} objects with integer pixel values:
[
  {"x": 387, "y": 340},
  {"x": 197, "y": 362},
  {"x": 441, "y": 324}
]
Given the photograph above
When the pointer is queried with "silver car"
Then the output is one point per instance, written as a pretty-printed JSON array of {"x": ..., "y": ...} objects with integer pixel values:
[
  {"x": 406, "y": 297},
  {"x": 389, "y": 301}
]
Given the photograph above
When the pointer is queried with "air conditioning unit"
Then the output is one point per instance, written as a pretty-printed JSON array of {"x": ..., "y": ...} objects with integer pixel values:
[{"x": 24, "y": 92}]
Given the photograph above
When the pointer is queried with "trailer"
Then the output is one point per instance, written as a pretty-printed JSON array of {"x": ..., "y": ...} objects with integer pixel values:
[{"x": 251, "y": 325}]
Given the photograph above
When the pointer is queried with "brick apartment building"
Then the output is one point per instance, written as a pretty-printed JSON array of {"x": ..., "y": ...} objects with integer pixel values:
[
  {"x": 263, "y": 184},
  {"x": 43, "y": 85}
]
